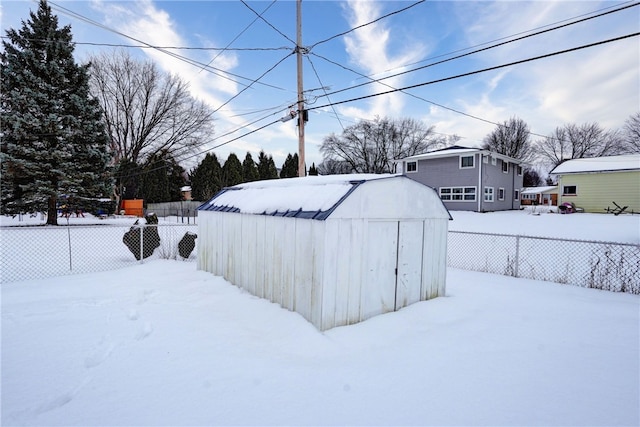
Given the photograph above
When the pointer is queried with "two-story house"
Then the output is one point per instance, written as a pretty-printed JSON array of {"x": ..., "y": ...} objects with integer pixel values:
[{"x": 468, "y": 179}]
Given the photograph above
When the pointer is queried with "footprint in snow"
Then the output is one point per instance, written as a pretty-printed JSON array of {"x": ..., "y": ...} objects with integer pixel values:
[
  {"x": 145, "y": 332},
  {"x": 100, "y": 353}
]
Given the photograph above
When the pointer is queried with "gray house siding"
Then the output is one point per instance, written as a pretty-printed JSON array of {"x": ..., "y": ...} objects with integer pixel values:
[
  {"x": 446, "y": 176},
  {"x": 446, "y": 173}
]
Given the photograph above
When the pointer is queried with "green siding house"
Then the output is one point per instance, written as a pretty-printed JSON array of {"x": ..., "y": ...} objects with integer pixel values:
[{"x": 595, "y": 184}]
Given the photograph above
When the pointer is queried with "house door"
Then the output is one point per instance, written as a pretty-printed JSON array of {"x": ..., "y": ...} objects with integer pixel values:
[{"x": 394, "y": 266}]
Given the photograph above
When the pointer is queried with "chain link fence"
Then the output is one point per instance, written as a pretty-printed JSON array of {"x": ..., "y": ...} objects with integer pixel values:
[
  {"x": 593, "y": 264},
  {"x": 42, "y": 251}
]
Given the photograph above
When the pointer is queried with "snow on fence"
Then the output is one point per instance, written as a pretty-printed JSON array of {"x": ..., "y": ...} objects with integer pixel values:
[
  {"x": 41, "y": 251},
  {"x": 593, "y": 264}
]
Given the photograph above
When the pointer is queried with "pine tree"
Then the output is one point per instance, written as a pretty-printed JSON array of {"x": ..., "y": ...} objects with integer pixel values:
[
  {"x": 313, "y": 170},
  {"x": 266, "y": 167},
  {"x": 249, "y": 169},
  {"x": 232, "y": 171},
  {"x": 290, "y": 166},
  {"x": 206, "y": 178},
  {"x": 53, "y": 139},
  {"x": 162, "y": 179}
]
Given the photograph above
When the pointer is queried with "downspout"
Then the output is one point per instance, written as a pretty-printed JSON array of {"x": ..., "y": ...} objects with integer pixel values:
[
  {"x": 480, "y": 189},
  {"x": 513, "y": 185}
]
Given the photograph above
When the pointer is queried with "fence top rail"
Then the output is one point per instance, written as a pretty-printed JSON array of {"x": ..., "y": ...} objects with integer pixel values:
[
  {"x": 79, "y": 226},
  {"x": 555, "y": 239}
]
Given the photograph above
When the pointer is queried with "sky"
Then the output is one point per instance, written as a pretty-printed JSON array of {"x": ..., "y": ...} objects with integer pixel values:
[{"x": 247, "y": 68}]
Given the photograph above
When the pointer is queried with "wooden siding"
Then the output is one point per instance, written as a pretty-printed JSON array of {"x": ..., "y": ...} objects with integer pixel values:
[{"x": 597, "y": 191}]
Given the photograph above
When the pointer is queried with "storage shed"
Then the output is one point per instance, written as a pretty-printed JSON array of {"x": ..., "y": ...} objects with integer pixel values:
[{"x": 336, "y": 249}]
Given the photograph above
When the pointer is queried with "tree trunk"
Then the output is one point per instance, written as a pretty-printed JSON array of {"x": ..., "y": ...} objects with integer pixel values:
[{"x": 52, "y": 212}]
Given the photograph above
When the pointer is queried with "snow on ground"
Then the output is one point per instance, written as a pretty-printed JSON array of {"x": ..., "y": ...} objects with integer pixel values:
[
  {"x": 580, "y": 226},
  {"x": 160, "y": 343}
]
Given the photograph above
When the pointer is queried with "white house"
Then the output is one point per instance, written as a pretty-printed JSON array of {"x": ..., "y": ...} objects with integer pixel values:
[{"x": 336, "y": 249}]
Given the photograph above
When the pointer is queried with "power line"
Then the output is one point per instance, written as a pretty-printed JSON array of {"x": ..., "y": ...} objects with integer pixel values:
[
  {"x": 239, "y": 34},
  {"x": 368, "y": 23},
  {"x": 473, "y": 52},
  {"x": 478, "y": 72},
  {"x": 142, "y": 46},
  {"x": 522, "y": 32},
  {"x": 221, "y": 73},
  {"x": 268, "y": 23}
]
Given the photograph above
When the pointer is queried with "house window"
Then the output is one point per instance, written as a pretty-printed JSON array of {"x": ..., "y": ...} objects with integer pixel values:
[
  {"x": 458, "y": 194},
  {"x": 505, "y": 167},
  {"x": 528, "y": 197},
  {"x": 516, "y": 195},
  {"x": 466, "y": 162},
  {"x": 519, "y": 170},
  {"x": 494, "y": 160},
  {"x": 488, "y": 194},
  {"x": 500, "y": 193},
  {"x": 485, "y": 159},
  {"x": 569, "y": 190},
  {"x": 412, "y": 167}
]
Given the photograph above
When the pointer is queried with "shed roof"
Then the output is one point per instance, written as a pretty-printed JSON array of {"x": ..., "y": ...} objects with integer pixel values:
[
  {"x": 599, "y": 164},
  {"x": 313, "y": 197}
]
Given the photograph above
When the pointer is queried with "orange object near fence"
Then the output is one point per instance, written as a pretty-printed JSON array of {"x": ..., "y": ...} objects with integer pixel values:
[{"x": 133, "y": 207}]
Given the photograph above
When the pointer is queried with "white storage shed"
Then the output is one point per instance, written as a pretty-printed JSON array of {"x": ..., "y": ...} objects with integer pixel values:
[{"x": 336, "y": 249}]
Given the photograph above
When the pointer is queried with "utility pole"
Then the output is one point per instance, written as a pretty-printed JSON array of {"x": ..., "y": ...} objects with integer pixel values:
[{"x": 301, "y": 112}]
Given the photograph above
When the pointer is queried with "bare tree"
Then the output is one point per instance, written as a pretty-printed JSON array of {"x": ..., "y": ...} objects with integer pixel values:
[
  {"x": 146, "y": 111},
  {"x": 576, "y": 142},
  {"x": 511, "y": 138},
  {"x": 372, "y": 146},
  {"x": 631, "y": 133}
]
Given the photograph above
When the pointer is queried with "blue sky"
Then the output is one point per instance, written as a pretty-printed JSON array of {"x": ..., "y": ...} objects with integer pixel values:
[{"x": 598, "y": 84}]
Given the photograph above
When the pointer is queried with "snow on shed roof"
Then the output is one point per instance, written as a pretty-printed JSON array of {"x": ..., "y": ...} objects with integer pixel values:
[
  {"x": 312, "y": 197},
  {"x": 599, "y": 164}
]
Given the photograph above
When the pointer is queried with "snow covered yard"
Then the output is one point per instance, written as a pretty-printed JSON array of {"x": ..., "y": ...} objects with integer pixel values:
[{"x": 160, "y": 343}]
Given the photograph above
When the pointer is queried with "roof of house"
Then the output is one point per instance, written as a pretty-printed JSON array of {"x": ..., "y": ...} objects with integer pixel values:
[
  {"x": 599, "y": 164},
  {"x": 539, "y": 190},
  {"x": 313, "y": 197},
  {"x": 458, "y": 150}
]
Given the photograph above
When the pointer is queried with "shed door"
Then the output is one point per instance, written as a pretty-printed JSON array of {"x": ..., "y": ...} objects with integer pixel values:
[
  {"x": 409, "y": 263},
  {"x": 394, "y": 266},
  {"x": 379, "y": 288}
]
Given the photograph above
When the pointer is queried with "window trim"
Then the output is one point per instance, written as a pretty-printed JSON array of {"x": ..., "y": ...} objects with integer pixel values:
[
  {"x": 464, "y": 191},
  {"x": 519, "y": 170},
  {"x": 494, "y": 160},
  {"x": 411, "y": 162},
  {"x": 516, "y": 195},
  {"x": 504, "y": 163},
  {"x": 501, "y": 193},
  {"x": 489, "y": 196},
  {"x": 473, "y": 162},
  {"x": 565, "y": 193}
]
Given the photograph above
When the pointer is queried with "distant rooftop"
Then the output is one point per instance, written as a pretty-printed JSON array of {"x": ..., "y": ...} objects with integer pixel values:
[{"x": 599, "y": 164}]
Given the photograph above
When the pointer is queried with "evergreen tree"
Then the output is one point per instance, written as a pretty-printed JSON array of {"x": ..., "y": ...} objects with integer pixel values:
[
  {"x": 232, "y": 171},
  {"x": 128, "y": 175},
  {"x": 313, "y": 170},
  {"x": 249, "y": 169},
  {"x": 266, "y": 167},
  {"x": 53, "y": 139},
  {"x": 206, "y": 178},
  {"x": 162, "y": 179},
  {"x": 290, "y": 167}
]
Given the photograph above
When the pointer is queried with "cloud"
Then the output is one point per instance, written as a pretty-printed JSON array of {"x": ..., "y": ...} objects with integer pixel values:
[{"x": 368, "y": 48}]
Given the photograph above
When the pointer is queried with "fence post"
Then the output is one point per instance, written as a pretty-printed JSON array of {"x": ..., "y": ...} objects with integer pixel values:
[
  {"x": 142, "y": 244},
  {"x": 515, "y": 269}
]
